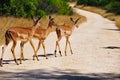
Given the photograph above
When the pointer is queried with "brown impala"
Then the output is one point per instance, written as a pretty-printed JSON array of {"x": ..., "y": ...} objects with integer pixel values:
[
  {"x": 64, "y": 30},
  {"x": 19, "y": 33},
  {"x": 42, "y": 34}
]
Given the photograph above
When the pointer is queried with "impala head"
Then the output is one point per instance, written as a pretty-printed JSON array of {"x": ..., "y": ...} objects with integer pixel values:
[
  {"x": 36, "y": 22},
  {"x": 51, "y": 22},
  {"x": 75, "y": 22}
]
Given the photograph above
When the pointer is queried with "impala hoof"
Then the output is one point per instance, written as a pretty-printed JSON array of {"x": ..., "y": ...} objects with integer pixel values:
[
  {"x": 1, "y": 62},
  {"x": 33, "y": 57},
  {"x": 23, "y": 59},
  {"x": 1, "y": 65},
  {"x": 60, "y": 53},
  {"x": 37, "y": 59},
  {"x": 17, "y": 63},
  {"x": 71, "y": 52}
]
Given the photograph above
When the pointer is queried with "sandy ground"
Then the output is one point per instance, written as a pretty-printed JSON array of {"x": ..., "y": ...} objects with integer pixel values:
[{"x": 96, "y": 47}]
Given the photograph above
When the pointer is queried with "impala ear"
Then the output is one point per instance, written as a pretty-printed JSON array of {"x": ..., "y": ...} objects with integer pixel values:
[
  {"x": 37, "y": 20},
  {"x": 39, "y": 17},
  {"x": 77, "y": 20},
  {"x": 49, "y": 17},
  {"x": 71, "y": 19},
  {"x": 52, "y": 19},
  {"x": 34, "y": 20}
]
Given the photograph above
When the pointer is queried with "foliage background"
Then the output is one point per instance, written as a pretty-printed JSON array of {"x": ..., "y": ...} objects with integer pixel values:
[
  {"x": 109, "y": 5},
  {"x": 28, "y": 8}
]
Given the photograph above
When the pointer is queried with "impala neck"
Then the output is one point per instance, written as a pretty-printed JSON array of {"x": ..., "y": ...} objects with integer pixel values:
[
  {"x": 73, "y": 27},
  {"x": 34, "y": 29},
  {"x": 49, "y": 29}
]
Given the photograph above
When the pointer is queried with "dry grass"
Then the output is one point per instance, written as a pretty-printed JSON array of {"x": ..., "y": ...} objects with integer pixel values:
[
  {"x": 7, "y": 22},
  {"x": 92, "y": 9},
  {"x": 117, "y": 21},
  {"x": 102, "y": 12}
]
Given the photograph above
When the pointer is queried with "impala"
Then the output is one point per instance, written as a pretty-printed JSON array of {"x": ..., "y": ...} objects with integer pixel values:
[
  {"x": 42, "y": 34},
  {"x": 19, "y": 33},
  {"x": 65, "y": 30}
]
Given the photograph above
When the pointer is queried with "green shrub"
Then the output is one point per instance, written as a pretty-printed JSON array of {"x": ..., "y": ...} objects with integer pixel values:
[
  {"x": 28, "y": 8},
  {"x": 113, "y": 7},
  {"x": 93, "y": 2},
  {"x": 110, "y": 5},
  {"x": 41, "y": 13},
  {"x": 62, "y": 6}
]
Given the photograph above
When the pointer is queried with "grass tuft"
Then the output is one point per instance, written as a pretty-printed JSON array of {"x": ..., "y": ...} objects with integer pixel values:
[
  {"x": 117, "y": 21},
  {"x": 104, "y": 13}
]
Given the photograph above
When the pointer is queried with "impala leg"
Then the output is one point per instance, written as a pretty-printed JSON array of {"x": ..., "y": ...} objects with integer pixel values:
[
  {"x": 1, "y": 60},
  {"x": 22, "y": 55},
  {"x": 12, "y": 49},
  {"x": 55, "y": 49},
  {"x": 70, "y": 46},
  {"x": 59, "y": 45},
  {"x": 44, "y": 50},
  {"x": 34, "y": 51},
  {"x": 66, "y": 46},
  {"x": 37, "y": 50}
]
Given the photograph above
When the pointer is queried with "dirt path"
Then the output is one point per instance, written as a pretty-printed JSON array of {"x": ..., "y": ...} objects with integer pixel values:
[{"x": 96, "y": 47}]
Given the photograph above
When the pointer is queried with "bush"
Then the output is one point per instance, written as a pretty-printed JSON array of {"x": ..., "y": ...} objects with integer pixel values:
[
  {"x": 55, "y": 6},
  {"x": 41, "y": 13},
  {"x": 110, "y": 5},
  {"x": 18, "y": 8},
  {"x": 28, "y": 8},
  {"x": 113, "y": 7},
  {"x": 93, "y": 2}
]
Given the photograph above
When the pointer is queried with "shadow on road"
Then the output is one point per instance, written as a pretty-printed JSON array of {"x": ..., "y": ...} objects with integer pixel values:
[
  {"x": 57, "y": 75},
  {"x": 111, "y": 47},
  {"x": 8, "y": 61},
  {"x": 48, "y": 54},
  {"x": 113, "y": 29}
]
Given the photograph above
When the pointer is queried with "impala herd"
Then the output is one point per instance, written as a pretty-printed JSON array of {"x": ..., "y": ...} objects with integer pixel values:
[{"x": 27, "y": 34}]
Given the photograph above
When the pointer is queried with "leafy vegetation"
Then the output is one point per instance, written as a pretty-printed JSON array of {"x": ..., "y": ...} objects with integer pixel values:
[
  {"x": 28, "y": 8},
  {"x": 114, "y": 7},
  {"x": 109, "y": 5}
]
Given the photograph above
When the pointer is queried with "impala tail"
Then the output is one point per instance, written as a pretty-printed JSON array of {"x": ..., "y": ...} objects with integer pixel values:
[
  {"x": 8, "y": 38},
  {"x": 58, "y": 32}
]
